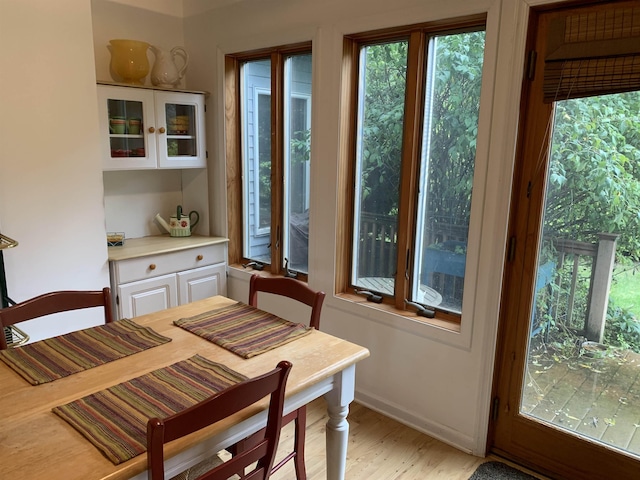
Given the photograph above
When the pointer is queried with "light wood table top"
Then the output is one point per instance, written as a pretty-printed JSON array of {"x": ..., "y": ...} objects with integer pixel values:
[{"x": 36, "y": 444}]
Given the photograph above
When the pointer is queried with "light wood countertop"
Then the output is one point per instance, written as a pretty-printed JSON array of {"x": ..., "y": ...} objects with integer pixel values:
[{"x": 141, "y": 247}]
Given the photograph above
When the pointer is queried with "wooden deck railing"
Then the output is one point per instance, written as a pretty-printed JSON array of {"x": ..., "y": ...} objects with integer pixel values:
[
  {"x": 598, "y": 260},
  {"x": 378, "y": 244},
  {"x": 377, "y": 258}
]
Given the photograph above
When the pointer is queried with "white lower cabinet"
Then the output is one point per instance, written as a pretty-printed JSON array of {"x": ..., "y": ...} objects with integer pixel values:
[
  {"x": 147, "y": 296},
  {"x": 155, "y": 282},
  {"x": 201, "y": 283}
]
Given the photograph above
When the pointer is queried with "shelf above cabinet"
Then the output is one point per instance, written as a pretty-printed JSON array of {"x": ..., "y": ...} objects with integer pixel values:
[{"x": 150, "y": 87}]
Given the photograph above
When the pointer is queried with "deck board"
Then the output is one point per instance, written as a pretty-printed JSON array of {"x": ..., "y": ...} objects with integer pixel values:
[{"x": 595, "y": 397}]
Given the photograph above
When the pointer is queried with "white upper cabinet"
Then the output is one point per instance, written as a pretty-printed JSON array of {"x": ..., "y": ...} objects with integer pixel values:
[{"x": 144, "y": 128}]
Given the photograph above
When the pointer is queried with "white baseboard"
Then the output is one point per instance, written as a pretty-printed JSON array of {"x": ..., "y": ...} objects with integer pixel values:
[{"x": 435, "y": 430}]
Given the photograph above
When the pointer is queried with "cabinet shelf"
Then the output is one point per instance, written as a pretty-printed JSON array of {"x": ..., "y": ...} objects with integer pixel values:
[{"x": 124, "y": 135}]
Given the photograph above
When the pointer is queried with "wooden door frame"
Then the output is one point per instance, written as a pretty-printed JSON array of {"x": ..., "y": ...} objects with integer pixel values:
[{"x": 541, "y": 447}]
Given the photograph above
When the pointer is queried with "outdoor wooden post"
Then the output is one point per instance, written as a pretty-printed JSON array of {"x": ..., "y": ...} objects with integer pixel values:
[{"x": 603, "y": 270}]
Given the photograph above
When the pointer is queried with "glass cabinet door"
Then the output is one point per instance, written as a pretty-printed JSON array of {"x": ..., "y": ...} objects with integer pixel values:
[
  {"x": 181, "y": 143},
  {"x": 127, "y": 128}
]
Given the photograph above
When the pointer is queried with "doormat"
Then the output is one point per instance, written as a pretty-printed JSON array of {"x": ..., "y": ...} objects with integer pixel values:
[{"x": 499, "y": 471}]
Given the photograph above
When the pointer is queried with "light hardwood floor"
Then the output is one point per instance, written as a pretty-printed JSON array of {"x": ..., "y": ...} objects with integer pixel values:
[{"x": 379, "y": 449}]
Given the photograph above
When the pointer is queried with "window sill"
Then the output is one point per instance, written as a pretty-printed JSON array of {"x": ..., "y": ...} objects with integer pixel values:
[
  {"x": 240, "y": 270},
  {"x": 439, "y": 329},
  {"x": 440, "y": 320},
  {"x": 443, "y": 321}
]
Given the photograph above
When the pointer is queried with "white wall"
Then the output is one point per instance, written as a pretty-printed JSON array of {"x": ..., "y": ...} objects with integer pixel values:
[
  {"x": 50, "y": 173},
  {"x": 432, "y": 379}
]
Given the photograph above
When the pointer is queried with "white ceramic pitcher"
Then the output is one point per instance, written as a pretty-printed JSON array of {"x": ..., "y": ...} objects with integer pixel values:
[{"x": 165, "y": 72}]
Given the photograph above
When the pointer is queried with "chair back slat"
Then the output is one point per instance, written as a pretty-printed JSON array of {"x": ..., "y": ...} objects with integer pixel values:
[
  {"x": 55, "y": 302},
  {"x": 219, "y": 407},
  {"x": 291, "y": 288}
]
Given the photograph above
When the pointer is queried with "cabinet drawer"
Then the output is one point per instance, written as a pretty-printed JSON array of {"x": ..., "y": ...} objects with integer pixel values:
[{"x": 161, "y": 264}]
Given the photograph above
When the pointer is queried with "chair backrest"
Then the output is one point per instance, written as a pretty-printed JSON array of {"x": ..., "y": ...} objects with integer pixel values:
[
  {"x": 291, "y": 288},
  {"x": 216, "y": 408},
  {"x": 55, "y": 302}
]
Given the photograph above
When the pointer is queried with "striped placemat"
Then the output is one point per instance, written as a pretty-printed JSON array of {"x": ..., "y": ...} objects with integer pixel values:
[
  {"x": 115, "y": 420},
  {"x": 243, "y": 329},
  {"x": 61, "y": 356}
]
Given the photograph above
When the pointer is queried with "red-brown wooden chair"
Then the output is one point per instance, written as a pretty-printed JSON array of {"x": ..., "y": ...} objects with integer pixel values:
[
  {"x": 297, "y": 290},
  {"x": 214, "y": 409},
  {"x": 54, "y": 302}
]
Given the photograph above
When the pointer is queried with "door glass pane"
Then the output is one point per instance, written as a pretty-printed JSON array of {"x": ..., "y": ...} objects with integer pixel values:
[
  {"x": 381, "y": 96},
  {"x": 126, "y": 128},
  {"x": 583, "y": 368},
  {"x": 297, "y": 129},
  {"x": 256, "y": 159},
  {"x": 181, "y": 130},
  {"x": 453, "y": 80}
]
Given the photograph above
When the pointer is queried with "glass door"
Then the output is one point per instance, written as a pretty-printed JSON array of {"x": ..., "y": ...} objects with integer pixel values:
[
  {"x": 181, "y": 130},
  {"x": 568, "y": 384},
  {"x": 583, "y": 362}
]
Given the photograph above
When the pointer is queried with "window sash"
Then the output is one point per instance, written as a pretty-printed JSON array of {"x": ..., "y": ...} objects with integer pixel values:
[
  {"x": 295, "y": 117},
  {"x": 260, "y": 227}
]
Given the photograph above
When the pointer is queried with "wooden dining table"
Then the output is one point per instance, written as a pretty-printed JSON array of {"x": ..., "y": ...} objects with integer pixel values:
[{"x": 36, "y": 444}]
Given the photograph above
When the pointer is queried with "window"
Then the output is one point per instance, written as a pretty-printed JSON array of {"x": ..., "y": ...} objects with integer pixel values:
[
  {"x": 268, "y": 152},
  {"x": 415, "y": 103}
]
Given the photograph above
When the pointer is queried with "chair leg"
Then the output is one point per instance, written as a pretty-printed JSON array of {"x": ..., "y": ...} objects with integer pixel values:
[
  {"x": 246, "y": 444},
  {"x": 300, "y": 427}
]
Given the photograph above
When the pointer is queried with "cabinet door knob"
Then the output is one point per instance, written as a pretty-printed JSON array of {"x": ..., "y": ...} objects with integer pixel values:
[
  {"x": 199, "y": 257},
  {"x": 161, "y": 130},
  {"x": 152, "y": 130},
  {"x": 152, "y": 266}
]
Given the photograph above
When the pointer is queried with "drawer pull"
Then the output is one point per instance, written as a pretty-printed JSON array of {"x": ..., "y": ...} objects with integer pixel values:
[
  {"x": 199, "y": 257},
  {"x": 152, "y": 266}
]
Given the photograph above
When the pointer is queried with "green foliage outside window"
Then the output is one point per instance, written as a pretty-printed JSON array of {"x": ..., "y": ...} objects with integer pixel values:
[
  {"x": 455, "y": 112},
  {"x": 594, "y": 176},
  {"x": 593, "y": 187}
]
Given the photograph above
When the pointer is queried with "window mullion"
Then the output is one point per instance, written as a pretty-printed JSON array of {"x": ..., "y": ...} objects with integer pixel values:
[
  {"x": 347, "y": 174},
  {"x": 412, "y": 135},
  {"x": 233, "y": 152},
  {"x": 277, "y": 160}
]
